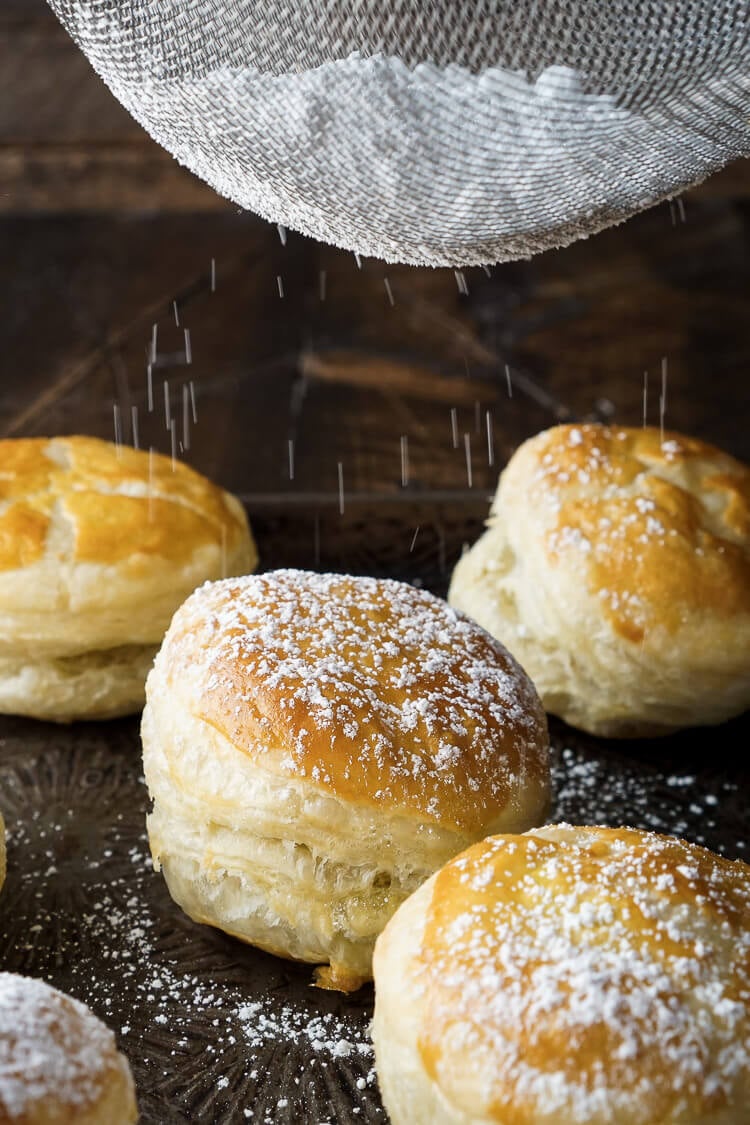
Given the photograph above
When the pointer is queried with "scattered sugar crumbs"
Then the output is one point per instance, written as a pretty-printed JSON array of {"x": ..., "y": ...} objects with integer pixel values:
[
  {"x": 245, "y": 1054},
  {"x": 201, "y": 1037},
  {"x": 595, "y": 791}
]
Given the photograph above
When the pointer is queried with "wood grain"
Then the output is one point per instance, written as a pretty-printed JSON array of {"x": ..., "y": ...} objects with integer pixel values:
[{"x": 392, "y": 373}]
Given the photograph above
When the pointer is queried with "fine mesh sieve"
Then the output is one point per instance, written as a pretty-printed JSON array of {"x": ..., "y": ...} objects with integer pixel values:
[{"x": 453, "y": 132}]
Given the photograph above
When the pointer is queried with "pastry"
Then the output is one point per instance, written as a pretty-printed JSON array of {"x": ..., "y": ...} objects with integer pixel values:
[
  {"x": 616, "y": 568},
  {"x": 569, "y": 976},
  {"x": 317, "y": 745},
  {"x": 59, "y": 1064},
  {"x": 99, "y": 545}
]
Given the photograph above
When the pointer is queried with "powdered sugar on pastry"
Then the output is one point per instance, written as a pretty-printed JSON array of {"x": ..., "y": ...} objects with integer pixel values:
[
  {"x": 665, "y": 515},
  {"x": 366, "y": 687},
  {"x": 55, "y": 1053},
  {"x": 589, "y": 975}
]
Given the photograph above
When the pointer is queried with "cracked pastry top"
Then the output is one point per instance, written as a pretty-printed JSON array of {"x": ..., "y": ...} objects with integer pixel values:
[{"x": 99, "y": 544}]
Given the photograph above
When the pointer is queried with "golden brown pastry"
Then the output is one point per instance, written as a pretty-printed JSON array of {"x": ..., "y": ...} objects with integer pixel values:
[
  {"x": 59, "y": 1064},
  {"x": 317, "y": 745},
  {"x": 616, "y": 568},
  {"x": 98, "y": 547},
  {"x": 569, "y": 976}
]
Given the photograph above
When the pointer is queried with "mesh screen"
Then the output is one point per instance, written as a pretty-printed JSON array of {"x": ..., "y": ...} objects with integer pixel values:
[{"x": 447, "y": 132}]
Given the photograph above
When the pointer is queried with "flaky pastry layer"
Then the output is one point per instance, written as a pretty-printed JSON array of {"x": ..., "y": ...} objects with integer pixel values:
[
  {"x": 311, "y": 760},
  {"x": 279, "y": 862},
  {"x": 89, "y": 685}
]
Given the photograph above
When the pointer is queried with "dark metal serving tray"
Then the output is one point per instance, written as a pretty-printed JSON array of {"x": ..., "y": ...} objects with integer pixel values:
[{"x": 218, "y": 1032}]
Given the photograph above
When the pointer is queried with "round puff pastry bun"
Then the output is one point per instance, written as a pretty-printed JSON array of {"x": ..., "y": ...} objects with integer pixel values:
[
  {"x": 616, "y": 568},
  {"x": 99, "y": 545},
  {"x": 59, "y": 1064},
  {"x": 317, "y": 745},
  {"x": 570, "y": 976}
]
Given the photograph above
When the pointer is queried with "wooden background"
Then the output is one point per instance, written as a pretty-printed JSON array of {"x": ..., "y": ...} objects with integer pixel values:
[
  {"x": 101, "y": 232},
  {"x": 100, "y": 235}
]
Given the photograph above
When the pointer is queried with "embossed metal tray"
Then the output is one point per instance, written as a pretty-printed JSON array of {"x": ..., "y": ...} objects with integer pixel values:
[{"x": 217, "y": 1032}]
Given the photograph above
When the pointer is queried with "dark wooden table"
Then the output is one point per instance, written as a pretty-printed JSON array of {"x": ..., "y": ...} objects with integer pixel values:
[
  {"x": 101, "y": 232},
  {"x": 354, "y": 427}
]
